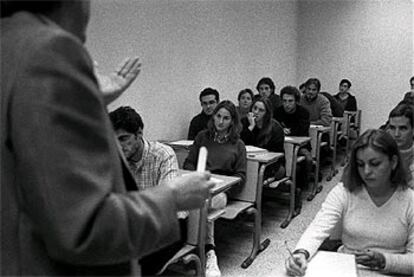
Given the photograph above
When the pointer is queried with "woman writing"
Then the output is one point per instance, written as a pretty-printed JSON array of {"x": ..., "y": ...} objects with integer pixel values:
[
  {"x": 374, "y": 206},
  {"x": 226, "y": 155}
]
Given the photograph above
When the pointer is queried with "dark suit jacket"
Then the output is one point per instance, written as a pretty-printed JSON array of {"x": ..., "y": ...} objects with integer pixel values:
[{"x": 67, "y": 207}]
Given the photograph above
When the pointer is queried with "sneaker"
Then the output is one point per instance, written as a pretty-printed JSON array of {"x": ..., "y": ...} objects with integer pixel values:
[{"x": 212, "y": 269}]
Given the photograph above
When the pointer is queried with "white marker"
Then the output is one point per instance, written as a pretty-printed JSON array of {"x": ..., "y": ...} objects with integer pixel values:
[{"x": 202, "y": 159}]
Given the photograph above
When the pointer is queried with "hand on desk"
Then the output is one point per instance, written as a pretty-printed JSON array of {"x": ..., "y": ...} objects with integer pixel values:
[
  {"x": 371, "y": 259},
  {"x": 190, "y": 190},
  {"x": 114, "y": 84},
  {"x": 296, "y": 265}
]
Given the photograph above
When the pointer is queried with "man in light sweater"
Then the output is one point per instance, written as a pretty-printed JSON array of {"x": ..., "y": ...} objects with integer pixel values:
[
  {"x": 317, "y": 105},
  {"x": 400, "y": 127}
]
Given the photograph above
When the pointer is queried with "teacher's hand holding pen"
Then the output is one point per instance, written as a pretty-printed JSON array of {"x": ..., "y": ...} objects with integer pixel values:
[{"x": 190, "y": 190}]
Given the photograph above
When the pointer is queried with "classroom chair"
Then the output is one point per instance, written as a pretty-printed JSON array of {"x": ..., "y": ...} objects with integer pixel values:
[
  {"x": 247, "y": 199},
  {"x": 193, "y": 250}
]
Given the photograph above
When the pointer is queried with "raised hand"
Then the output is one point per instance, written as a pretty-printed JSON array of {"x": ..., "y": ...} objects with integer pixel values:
[{"x": 114, "y": 84}]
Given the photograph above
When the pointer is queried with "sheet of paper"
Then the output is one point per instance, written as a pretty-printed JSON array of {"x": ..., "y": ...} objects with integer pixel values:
[{"x": 332, "y": 264}]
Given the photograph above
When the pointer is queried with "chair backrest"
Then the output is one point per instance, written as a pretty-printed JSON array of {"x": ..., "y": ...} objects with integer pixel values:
[
  {"x": 313, "y": 133},
  {"x": 249, "y": 190},
  {"x": 358, "y": 121},
  {"x": 289, "y": 147}
]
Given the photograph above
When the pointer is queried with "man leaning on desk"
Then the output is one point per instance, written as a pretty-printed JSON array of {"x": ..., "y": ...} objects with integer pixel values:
[{"x": 69, "y": 205}]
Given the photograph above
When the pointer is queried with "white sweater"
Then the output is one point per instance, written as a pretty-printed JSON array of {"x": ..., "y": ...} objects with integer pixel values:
[{"x": 389, "y": 229}]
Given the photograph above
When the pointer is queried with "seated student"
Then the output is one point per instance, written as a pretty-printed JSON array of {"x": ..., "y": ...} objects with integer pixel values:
[
  {"x": 209, "y": 99},
  {"x": 226, "y": 155},
  {"x": 344, "y": 98},
  {"x": 295, "y": 122},
  {"x": 152, "y": 164},
  {"x": 266, "y": 88},
  {"x": 400, "y": 127},
  {"x": 317, "y": 105},
  {"x": 245, "y": 99},
  {"x": 409, "y": 96},
  {"x": 375, "y": 208},
  {"x": 260, "y": 129}
]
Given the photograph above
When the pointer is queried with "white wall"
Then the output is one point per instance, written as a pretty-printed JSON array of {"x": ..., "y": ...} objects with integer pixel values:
[
  {"x": 186, "y": 46},
  {"x": 368, "y": 41}
]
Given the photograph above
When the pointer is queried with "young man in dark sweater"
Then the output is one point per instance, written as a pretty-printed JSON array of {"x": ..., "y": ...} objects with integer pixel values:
[
  {"x": 295, "y": 122},
  {"x": 209, "y": 98}
]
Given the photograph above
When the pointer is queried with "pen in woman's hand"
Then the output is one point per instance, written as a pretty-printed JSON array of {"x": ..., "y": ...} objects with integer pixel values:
[{"x": 288, "y": 249}]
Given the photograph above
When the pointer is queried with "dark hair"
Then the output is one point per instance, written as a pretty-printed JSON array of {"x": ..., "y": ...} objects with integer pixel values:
[
  {"x": 403, "y": 109},
  {"x": 411, "y": 80},
  {"x": 9, "y": 7},
  {"x": 126, "y": 118},
  {"x": 313, "y": 81},
  {"x": 244, "y": 91},
  {"x": 290, "y": 90},
  {"x": 267, "y": 81},
  {"x": 380, "y": 141},
  {"x": 303, "y": 85},
  {"x": 345, "y": 81},
  {"x": 265, "y": 132},
  {"x": 235, "y": 128},
  {"x": 210, "y": 91}
]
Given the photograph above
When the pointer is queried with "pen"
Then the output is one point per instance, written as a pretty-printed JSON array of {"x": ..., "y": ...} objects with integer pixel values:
[{"x": 288, "y": 249}]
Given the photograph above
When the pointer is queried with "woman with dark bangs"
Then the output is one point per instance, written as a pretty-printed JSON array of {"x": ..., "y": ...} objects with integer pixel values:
[{"x": 374, "y": 208}]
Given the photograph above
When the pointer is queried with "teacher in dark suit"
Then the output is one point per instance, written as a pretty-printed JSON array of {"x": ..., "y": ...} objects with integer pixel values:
[{"x": 69, "y": 205}]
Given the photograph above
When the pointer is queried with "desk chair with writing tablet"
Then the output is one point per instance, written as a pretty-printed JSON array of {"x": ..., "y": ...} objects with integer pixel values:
[
  {"x": 353, "y": 124},
  {"x": 193, "y": 250},
  {"x": 248, "y": 199},
  {"x": 316, "y": 132}
]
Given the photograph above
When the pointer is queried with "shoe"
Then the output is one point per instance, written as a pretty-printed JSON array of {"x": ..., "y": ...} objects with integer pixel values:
[{"x": 212, "y": 269}]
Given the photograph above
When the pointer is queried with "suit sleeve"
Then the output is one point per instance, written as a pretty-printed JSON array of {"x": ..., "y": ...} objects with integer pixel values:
[{"x": 71, "y": 182}]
